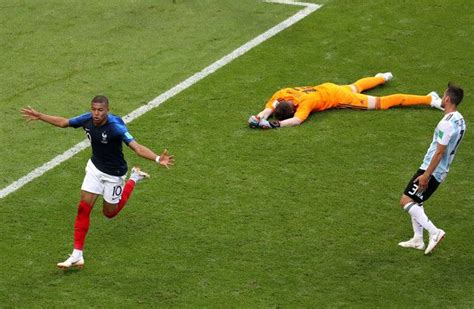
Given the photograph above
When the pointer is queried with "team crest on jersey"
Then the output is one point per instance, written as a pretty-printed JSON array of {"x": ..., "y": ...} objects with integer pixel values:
[{"x": 104, "y": 138}]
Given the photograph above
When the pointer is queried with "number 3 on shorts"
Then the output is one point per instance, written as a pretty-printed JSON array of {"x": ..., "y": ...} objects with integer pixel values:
[{"x": 413, "y": 189}]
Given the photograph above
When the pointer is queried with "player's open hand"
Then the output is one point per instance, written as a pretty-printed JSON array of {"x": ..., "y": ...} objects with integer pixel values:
[
  {"x": 165, "y": 159},
  {"x": 30, "y": 113}
]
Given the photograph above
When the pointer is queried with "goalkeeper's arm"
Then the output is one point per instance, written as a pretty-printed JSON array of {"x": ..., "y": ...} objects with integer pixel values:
[
  {"x": 267, "y": 112},
  {"x": 265, "y": 124},
  {"x": 295, "y": 121}
]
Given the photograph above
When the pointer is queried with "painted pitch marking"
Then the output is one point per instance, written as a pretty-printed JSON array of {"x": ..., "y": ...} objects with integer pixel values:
[{"x": 39, "y": 171}]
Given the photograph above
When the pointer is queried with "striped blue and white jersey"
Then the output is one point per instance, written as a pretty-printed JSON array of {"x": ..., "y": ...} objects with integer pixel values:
[{"x": 449, "y": 132}]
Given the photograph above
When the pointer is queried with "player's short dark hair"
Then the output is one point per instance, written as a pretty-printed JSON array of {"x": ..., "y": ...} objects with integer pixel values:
[
  {"x": 100, "y": 99},
  {"x": 455, "y": 93},
  {"x": 284, "y": 110}
]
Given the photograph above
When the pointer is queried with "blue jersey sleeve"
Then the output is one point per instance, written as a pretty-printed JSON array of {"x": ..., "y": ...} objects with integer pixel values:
[
  {"x": 122, "y": 129},
  {"x": 78, "y": 121},
  {"x": 127, "y": 137}
]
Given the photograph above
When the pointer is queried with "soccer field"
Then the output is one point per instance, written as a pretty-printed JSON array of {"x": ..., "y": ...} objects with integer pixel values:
[{"x": 294, "y": 217}]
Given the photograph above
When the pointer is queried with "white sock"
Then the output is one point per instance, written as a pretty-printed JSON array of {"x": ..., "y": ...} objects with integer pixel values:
[
  {"x": 77, "y": 254},
  {"x": 135, "y": 177},
  {"x": 418, "y": 213},
  {"x": 417, "y": 229}
]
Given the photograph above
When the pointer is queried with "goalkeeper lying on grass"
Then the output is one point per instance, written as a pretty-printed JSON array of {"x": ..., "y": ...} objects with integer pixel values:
[{"x": 292, "y": 106}]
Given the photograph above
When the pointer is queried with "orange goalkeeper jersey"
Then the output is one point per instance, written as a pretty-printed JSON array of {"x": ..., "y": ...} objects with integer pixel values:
[{"x": 311, "y": 98}]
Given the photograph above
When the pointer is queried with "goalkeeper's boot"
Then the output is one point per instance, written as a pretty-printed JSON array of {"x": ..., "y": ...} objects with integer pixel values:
[
  {"x": 137, "y": 174},
  {"x": 435, "y": 100},
  {"x": 72, "y": 262},
  {"x": 387, "y": 76},
  {"x": 415, "y": 243},
  {"x": 435, "y": 239}
]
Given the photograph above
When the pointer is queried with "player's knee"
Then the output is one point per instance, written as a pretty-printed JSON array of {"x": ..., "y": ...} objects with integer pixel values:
[
  {"x": 88, "y": 197},
  {"x": 405, "y": 200},
  {"x": 109, "y": 214},
  {"x": 374, "y": 103}
]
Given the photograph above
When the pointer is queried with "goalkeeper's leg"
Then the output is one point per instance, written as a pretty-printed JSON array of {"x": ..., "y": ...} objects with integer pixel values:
[
  {"x": 370, "y": 82},
  {"x": 387, "y": 102}
]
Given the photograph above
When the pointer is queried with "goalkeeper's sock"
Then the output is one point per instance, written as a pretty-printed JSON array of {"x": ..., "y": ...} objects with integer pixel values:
[
  {"x": 404, "y": 100},
  {"x": 420, "y": 216},
  {"x": 127, "y": 192},
  {"x": 81, "y": 226}
]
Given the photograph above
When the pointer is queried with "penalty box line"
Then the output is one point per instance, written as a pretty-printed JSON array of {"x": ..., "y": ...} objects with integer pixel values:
[{"x": 39, "y": 171}]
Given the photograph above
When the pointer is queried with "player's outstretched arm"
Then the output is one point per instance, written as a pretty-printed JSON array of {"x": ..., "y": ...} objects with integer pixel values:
[
  {"x": 267, "y": 112},
  {"x": 30, "y": 114},
  {"x": 265, "y": 124},
  {"x": 295, "y": 121},
  {"x": 164, "y": 159}
]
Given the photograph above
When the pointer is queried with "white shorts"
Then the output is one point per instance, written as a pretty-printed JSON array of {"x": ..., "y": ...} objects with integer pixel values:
[{"x": 97, "y": 182}]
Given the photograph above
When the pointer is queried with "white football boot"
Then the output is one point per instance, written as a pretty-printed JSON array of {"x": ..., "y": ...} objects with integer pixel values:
[
  {"x": 435, "y": 100},
  {"x": 72, "y": 262},
  {"x": 387, "y": 76},
  {"x": 435, "y": 240},
  {"x": 415, "y": 243},
  {"x": 137, "y": 174}
]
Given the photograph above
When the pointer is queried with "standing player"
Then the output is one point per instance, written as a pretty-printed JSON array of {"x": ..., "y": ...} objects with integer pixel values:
[
  {"x": 292, "y": 106},
  {"x": 106, "y": 170},
  {"x": 446, "y": 139}
]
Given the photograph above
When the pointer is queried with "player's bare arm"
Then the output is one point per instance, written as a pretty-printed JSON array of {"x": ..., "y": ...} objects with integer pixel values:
[
  {"x": 295, "y": 121},
  {"x": 30, "y": 114},
  {"x": 267, "y": 112},
  {"x": 265, "y": 124},
  {"x": 164, "y": 159},
  {"x": 425, "y": 178}
]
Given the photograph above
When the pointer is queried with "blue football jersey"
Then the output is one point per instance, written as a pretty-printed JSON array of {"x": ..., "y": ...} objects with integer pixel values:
[{"x": 106, "y": 142}]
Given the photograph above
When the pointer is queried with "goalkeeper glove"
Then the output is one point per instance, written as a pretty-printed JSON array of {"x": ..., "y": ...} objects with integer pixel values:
[
  {"x": 265, "y": 124},
  {"x": 254, "y": 121}
]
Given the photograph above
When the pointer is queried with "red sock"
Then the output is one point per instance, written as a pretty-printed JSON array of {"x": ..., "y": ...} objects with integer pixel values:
[
  {"x": 82, "y": 224},
  {"x": 127, "y": 192}
]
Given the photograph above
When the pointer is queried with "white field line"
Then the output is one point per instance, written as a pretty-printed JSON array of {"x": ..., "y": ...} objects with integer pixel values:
[{"x": 39, "y": 171}]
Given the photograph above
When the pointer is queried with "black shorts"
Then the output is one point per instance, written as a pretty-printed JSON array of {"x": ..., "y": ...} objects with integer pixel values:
[{"x": 412, "y": 187}]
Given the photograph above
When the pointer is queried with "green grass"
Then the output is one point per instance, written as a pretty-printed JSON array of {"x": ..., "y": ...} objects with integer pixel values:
[{"x": 300, "y": 217}]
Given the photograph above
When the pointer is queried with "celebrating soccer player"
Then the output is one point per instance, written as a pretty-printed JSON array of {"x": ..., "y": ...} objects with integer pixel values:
[
  {"x": 106, "y": 170},
  {"x": 292, "y": 106}
]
